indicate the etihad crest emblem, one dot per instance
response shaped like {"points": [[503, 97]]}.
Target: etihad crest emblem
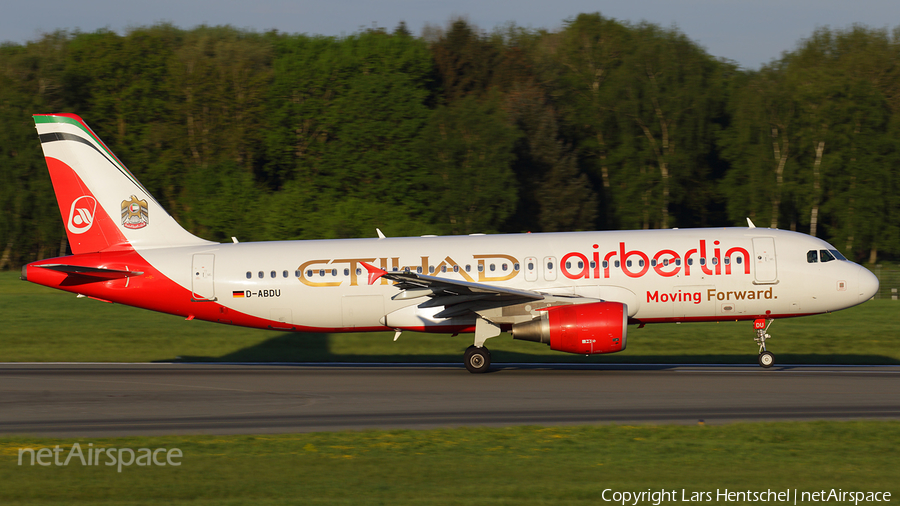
{"points": [[135, 213]]}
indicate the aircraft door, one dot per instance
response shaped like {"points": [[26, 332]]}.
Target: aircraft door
{"points": [[765, 268], [202, 287], [549, 268], [531, 269]]}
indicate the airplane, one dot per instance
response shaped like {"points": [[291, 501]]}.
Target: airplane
{"points": [[575, 291]]}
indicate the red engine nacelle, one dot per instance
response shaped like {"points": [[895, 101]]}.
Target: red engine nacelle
{"points": [[598, 327]]}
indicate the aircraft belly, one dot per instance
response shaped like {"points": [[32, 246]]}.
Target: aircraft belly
{"points": [[362, 310], [323, 311]]}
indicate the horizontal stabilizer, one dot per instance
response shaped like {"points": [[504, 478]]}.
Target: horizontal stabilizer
{"points": [[94, 272]]}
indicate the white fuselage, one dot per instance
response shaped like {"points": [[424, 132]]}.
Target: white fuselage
{"points": [[661, 275]]}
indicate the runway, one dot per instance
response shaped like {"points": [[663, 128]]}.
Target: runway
{"points": [[96, 400]]}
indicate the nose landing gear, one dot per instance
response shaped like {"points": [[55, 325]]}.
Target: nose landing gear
{"points": [[766, 358]]}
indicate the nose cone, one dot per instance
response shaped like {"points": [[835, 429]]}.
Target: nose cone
{"points": [[868, 284]]}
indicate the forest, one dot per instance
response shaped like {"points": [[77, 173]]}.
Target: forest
{"points": [[599, 125]]}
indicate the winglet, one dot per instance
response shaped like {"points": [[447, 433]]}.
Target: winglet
{"points": [[380, 233], [750, 223], [374, 272]]}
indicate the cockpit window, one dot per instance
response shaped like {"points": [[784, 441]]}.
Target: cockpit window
{"points": [[823, 255]]}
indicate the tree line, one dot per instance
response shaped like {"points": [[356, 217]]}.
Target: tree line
{"points": [[601, 124]]}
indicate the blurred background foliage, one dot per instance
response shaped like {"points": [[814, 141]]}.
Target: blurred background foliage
{"points": [[602, 124]]}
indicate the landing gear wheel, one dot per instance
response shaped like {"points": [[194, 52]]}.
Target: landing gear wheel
{"points": [[477, 359], [766, 359]]}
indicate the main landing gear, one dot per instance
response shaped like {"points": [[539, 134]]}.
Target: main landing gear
{"points": [[766, 358], [477, 359]]}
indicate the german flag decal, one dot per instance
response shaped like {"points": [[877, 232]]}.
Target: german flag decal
{"points": [[238, 294]]}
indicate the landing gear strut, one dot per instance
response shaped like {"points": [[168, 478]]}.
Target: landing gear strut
{"points": [[477, 359], [766, 358]]}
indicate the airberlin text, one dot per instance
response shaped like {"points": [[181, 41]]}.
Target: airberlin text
{"points": [[711, 295], [790, 496]]}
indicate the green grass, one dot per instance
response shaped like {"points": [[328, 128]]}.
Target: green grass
{"points": [[514, 465], [41, 324]]}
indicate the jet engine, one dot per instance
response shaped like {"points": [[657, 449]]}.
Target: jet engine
{"points": [[597, 327]]}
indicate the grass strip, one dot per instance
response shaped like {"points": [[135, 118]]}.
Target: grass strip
{"points": [[512, 465]]}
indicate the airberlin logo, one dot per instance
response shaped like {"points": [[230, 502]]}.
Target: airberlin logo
{"points": [[81, 214]]}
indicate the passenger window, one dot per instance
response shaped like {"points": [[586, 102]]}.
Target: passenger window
{"points": [[618, 263], [284, 274], [346, 272], [272, 274], [334, 272], [739, 260], [702, 261], [628, 263], [419, 269], [653, 263], [309, 273], [431, 269], [727, 261], [530, 266], [249, 275], [811, 256], [516, 267], [580, 264], [455, 268], [677, 261], [549, 266], [261, 274], [715, 261], [359, 271], [296, 274], [825, 256], [493, 267], [568, 265], [640, 263], [480, 267], [468, 268], [690, 261], [605, 264], [443, 268], [503, 267], [321, 272]]}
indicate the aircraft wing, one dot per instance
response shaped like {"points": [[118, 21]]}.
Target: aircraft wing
{"points": [[457, 297]]}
